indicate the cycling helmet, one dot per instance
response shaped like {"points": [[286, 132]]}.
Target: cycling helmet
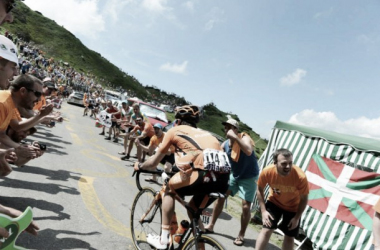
{"points": [[189, 113]]}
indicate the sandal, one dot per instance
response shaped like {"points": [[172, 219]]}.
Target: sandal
{"points": [[239, 241]]}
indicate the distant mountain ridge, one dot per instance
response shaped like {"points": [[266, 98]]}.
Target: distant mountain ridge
{"points": [[59, 43]]}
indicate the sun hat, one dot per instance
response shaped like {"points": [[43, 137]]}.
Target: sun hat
{"points": [[8, 49], [232, 122], [157, 125]]}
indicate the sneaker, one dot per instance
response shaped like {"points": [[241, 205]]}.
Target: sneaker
{"points": [[107, 138], [102, 133], [124, 158], [115, 140], [155, 241]]}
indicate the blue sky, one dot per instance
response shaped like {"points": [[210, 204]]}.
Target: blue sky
{"points": [[314, 63]]}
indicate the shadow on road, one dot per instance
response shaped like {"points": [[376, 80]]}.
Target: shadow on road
{"points": [[55, 175], [43, 187], [21, 204], [47, 239]]}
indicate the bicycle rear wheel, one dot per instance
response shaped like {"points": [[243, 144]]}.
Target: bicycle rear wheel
{"points": [[204, 242], [151, 223]]}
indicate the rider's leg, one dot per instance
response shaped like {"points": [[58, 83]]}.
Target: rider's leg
{"points": [[168, 203]]}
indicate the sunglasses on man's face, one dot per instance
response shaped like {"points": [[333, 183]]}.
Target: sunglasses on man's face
{"points": [[36, 93], [9, 5]]}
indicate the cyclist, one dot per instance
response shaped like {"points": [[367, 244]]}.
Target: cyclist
{"points": [[196, 176]]}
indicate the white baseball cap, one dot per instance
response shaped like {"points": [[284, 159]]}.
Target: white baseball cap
{"points": [[232, 122], [8, 49]]}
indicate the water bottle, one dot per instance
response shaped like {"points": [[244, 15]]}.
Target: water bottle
{"points": [[173, 224], [183, 226]]}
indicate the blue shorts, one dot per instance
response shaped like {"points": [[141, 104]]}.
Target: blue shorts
{"points": [[245, 187]]}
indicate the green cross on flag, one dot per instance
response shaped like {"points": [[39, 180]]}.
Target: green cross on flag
{"points": [[343, 192]]}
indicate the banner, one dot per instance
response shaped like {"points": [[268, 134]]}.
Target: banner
{"points": [[343, 192], [104, 118]]}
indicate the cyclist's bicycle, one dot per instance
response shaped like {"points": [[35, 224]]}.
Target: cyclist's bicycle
{"points": [[146, 219]]}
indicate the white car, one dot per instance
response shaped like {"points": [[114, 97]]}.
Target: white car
{"points": [[76, 98]]}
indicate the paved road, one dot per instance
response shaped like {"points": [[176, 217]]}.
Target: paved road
{"points": [[81, 192]]}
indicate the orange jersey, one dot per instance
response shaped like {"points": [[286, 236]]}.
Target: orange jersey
{"points": [[183, 138], [285, 191], [8, 110], [40, 103]]}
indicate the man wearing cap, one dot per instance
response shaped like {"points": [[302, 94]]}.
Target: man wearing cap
{"points": [[8, 62], [141, 133], [244, 173]]}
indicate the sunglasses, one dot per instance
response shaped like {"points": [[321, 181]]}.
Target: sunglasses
{"points": [[10, 4], [36, 93]]}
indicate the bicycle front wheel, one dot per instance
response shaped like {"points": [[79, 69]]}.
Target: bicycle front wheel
{"points": [[204, 242], [150, 224]]}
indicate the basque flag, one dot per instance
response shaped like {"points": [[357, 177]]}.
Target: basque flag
{"points": [[343, 192]]}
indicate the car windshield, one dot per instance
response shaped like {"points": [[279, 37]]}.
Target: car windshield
{"points": [[79, 95], [153, 112]]}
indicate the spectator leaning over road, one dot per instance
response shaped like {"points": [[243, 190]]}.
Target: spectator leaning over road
{"points": [[289, 189], [244, 173], [140, 134], [196, 177], [376, 226], [156, 139], [24, 92]]}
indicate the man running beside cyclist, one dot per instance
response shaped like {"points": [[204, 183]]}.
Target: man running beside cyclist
{"points": [[197, 177]]}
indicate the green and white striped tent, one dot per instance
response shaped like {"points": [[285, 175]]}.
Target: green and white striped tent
{"points": [[324, 231]]}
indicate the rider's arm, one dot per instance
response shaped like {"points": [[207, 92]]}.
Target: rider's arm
{"points": [[152, 162]]}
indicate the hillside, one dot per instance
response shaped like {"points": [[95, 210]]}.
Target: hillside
{"points": [[59, 43]]}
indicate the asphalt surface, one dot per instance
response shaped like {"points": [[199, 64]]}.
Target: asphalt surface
{"points": [[81, 192]]}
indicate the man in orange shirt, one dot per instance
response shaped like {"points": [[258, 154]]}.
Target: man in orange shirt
{"points": [[24, 92], [289, 190], [47, 89], [376, 226]]}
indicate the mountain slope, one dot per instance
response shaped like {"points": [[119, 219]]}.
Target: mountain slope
{"points": [[59, 43]]}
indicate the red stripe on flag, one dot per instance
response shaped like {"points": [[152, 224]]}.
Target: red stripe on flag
{"points": [[344, 214], [320, 204], [335, 167]]}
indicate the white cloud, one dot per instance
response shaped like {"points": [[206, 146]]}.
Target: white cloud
{"points": [[361, 126], [293, 78], [189, 5], [155, 5], [175, 68], [323, 14], [214, 16], [79, 17]]}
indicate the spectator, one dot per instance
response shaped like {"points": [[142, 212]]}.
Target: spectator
{"points": [[144, 131], [126, 114], [244, 173], [289, 189], [8, 62], [156, 139], [24, 92], [115, 115]]}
